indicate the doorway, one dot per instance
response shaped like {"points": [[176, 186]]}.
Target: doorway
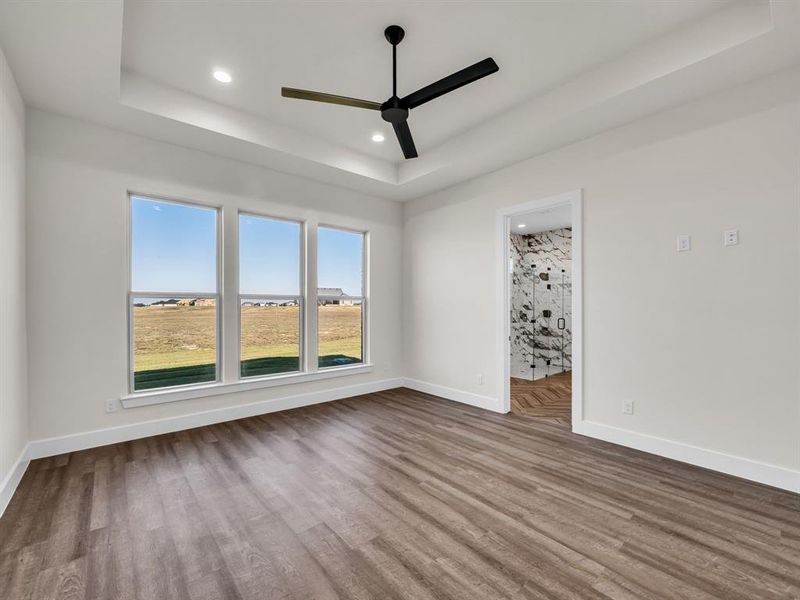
{"points": [[541, 259]]}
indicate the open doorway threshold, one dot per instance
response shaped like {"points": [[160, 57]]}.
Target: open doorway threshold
{"points": [[548, 397]]}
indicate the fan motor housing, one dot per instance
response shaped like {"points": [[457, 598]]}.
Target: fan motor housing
{"points": [[393, 110]]}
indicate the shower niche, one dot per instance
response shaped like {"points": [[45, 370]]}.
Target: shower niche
{"points": [[541, 304]]}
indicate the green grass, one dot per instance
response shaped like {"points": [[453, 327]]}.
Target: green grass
{"points": [[254, 367], [177, 346], [159, 378]]}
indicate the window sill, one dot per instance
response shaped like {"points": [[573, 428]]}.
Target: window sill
{"points": [[217, 389]]}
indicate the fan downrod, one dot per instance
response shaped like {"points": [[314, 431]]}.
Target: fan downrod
{"points": [[393, 111]]}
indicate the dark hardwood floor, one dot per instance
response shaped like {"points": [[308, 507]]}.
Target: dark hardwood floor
{"points": [[548, 397], [387, 496]]}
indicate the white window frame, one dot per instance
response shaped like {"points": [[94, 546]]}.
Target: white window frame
{"points": [[132, 294], [363, 298], [301, 298], [228, 359]]}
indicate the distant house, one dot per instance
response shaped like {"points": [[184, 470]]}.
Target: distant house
{"points": [[171, 303], [335, 292]]}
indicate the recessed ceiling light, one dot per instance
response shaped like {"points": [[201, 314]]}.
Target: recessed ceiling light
{"points": [[377, 137], [222, 76], [521, 225]]}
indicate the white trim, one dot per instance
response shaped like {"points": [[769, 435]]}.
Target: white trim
{"points": [[10, 483], [124, 433], [575, 200], [485, 402], [772, 475], [174, 394]]}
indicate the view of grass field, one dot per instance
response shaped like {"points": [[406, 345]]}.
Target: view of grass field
{"points": [[177, 345]]}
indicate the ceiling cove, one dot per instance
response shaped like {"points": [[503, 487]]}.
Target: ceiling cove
{"points": [[150, 69]]}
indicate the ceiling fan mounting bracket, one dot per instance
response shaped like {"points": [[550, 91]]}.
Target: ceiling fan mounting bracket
{"points": [[394, 34]]}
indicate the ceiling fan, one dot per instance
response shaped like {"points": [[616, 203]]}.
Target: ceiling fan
{"points": [[395, 110]]}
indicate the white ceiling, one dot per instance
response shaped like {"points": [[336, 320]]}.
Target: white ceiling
{"points": [[547, 219], [568, 70], [341, 49]]}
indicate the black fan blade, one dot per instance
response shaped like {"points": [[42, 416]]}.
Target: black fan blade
{"points": [[330, 98], [452, 82], [405, 139]]}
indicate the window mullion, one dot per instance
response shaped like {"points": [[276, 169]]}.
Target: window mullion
{"points": [[229, 288], [311, 312]]}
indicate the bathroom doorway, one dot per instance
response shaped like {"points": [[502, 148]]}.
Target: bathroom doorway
{"points": [[540, 271]]}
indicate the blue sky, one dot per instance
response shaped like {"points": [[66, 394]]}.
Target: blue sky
{"points": [[174, 250], [174, 247], [339, 263], [269, 256]]}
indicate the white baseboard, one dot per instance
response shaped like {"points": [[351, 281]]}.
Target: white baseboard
{"points": [[10, 483], [772, 475], [123, 433], [779, 477], [485, 402]]}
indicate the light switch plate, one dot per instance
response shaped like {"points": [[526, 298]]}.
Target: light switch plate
{"points": [[684, 243]]}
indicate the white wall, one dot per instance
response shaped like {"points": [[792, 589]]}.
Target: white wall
{"points": [[13, 376], [78, 179], [706, 342]]}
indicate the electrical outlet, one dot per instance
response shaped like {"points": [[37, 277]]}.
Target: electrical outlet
{"points": [[731, 237], [684, 243], [480, 378], [627, 407], [111, 406]]}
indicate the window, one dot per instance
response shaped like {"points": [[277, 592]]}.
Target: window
{"points": [[340, 297], [175, 304], [173, 297], [270, 299]]}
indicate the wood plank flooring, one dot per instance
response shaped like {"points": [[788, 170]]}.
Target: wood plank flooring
{"points": [[549, 397], [393, 495]]}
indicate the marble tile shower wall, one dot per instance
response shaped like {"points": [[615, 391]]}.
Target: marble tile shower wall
{"points": [[541, 295]]}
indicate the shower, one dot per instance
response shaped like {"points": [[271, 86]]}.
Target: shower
{"points": [[551, 300], [541, 300]]}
